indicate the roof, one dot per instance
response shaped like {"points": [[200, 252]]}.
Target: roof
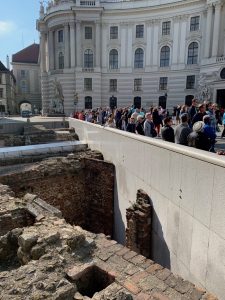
{"points": [[27, 55], [3, 68]]}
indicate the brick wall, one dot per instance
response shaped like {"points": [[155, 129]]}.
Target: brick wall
{"points": [[81, 186], [138, 232]]}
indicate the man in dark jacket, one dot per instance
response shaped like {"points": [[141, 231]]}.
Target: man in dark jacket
{"points": [[192, 110], [167, 131], [200, 114], [198, 139]]}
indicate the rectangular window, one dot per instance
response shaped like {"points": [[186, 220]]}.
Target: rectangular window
{"points": [[1, 93], [166, 28], [113, 32], [22, 73], [88, 84], [163, 83], [88, 33], [60, 36], [137, 84], [139, 31], [190, 82], [0, 78], [194, 25], [113, 85]]}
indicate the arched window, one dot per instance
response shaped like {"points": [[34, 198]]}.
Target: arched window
{"points": [[88, 58], [165, 56], [61, 60], [88, 102], [139, 58], [192, 53], [113, 59]]}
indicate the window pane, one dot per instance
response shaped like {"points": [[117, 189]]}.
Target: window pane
{"points": [[166, 28], [137, 84], [163, 83], [60, 36], [194, 23], [113, 85], [165, 56], [139, 31], [192, 54], [190, 83], [88, 33], [113, 32], [88, 84], [139, 58], [88, 58], [113, 59]]}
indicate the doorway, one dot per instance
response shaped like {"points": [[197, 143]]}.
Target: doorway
{"points": [[220, 98], [137, 102]]}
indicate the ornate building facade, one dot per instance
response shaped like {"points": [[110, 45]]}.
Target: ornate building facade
{"points": [[116, 53]]}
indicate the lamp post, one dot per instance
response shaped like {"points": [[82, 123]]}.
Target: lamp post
{"points": [[76, 98]]}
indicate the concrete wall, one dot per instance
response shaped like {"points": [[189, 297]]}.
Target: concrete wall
{"points": [[187, 190]]}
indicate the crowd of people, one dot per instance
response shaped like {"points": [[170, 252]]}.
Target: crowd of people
{"points": [[195, 126]]}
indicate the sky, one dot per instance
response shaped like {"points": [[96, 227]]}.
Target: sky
{"points": [[17, 26]]}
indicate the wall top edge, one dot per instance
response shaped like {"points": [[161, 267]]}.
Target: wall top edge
{"points": [[208, 157]]}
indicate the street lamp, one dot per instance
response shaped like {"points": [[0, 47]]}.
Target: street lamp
{"points": [[76, 98]]}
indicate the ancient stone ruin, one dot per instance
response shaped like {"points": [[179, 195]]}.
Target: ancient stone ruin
{"points": [[56, 230]]}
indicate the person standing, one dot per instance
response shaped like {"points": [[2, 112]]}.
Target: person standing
{"points": [[182, 131], [149, 127], [167, 130], [139, 125], [200, 114], [192, 110], [156, 120], [223, 122]]}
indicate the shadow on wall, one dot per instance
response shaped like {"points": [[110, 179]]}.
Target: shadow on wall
{"points": [[159, 250], [119, 226]]}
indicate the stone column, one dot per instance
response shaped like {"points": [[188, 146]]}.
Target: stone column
{"points": [[72, 45], [208, 30], [51, 56], [79, 57], [43, 52], [148, 43], [123, 50], [104, 45], [176, 45], [97, 44], [216, 29], [183, 33], [155, 42], [129, 49], [67, 47]]}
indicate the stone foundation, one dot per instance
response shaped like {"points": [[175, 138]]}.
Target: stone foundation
{"points": [[81, 185]]}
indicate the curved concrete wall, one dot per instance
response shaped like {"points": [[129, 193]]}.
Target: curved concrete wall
{"points": [[187, 190]]}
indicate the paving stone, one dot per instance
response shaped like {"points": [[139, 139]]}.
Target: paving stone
{"points": [[137, 260], [152, 269], [171, 280], [129, 255], [163, 274], [159, 296], [151, 282], [138, 276], [143, 296], [123, 251], [183, 286], [132, 287]]}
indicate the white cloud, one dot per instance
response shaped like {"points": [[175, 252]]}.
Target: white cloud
{"points": [[6, 27]]}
